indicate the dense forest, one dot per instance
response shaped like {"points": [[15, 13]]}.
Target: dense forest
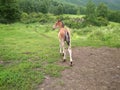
{"points": [[13, 10]]}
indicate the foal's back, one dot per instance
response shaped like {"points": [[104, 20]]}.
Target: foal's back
{"points": [[64, 34]]}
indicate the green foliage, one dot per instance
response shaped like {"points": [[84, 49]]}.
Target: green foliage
{"points": [[9, 11]]}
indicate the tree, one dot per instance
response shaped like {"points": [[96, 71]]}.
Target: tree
{"points": [[102, 10], [60, 9], [9, 11], [91, 11]]}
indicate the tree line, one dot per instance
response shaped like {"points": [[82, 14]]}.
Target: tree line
{"points": [[10, 10], [46, 6], [101, 14]]}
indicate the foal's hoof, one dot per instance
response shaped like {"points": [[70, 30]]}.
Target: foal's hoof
{"points": [[71, 64], [64, 60]]}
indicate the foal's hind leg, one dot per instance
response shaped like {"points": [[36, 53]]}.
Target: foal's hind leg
{"points": [[70, 54], [64, 51], [61, 48]]}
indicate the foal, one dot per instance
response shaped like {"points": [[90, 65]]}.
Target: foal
{"points": [[64, 36]]}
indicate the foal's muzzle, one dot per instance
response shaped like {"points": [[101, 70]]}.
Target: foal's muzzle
{"points": [[54, 27]]}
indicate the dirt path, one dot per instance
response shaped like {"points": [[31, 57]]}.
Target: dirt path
{"points": [[94, 69]]}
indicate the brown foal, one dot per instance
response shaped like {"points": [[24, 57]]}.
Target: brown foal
{"points": [[64, 36]]}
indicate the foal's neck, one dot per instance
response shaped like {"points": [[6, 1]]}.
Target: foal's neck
{"points": [[61, 28]]}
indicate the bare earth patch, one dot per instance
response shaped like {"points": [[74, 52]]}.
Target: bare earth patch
{"points": [[93, 69]]}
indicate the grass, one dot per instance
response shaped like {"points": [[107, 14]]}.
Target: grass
{"points": [[29, 52]]}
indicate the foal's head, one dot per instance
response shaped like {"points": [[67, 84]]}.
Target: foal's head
{"points": [[58, 24]]}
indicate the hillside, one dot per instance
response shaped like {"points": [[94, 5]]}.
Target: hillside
{"points": [[112, 4]]}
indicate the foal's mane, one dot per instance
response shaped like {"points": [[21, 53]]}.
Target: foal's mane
{"points": [[61, 22]]}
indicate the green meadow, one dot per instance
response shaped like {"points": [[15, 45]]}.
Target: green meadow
{"points": [[29, 52]]}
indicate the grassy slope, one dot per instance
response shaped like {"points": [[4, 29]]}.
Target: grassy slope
{"points": [[28, 52]]}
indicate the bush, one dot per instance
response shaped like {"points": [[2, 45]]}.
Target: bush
{"points": [[24, 17], [44, 19], [101, 21], [28, 18], [75, 22], [35, 17]]}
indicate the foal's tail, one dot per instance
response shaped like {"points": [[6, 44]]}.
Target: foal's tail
{"points": [[67, 38]]}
